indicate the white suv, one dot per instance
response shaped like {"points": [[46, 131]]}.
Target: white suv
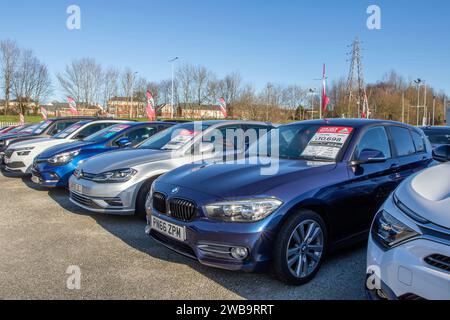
{"points": [[19, 156], [409, 245]]}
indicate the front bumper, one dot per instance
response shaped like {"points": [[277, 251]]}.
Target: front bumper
{"points": [[17, 163], [210, 243], [405, 274], [110, 198], [52, 176]]}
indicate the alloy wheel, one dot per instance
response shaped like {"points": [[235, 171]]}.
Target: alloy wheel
{"points": [[305, 249]]}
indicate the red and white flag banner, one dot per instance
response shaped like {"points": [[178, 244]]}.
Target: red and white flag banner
{"points": [[72, 105], [223, 107], [150, 110], [44, 113]]}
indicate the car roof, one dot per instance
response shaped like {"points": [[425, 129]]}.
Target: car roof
{"points": [[219, 122], [355, 123]]}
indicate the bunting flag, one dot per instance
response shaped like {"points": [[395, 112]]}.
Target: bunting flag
{"points": [[21, 119], [44, 113], [151, 113], [325, 99], [72, 106], [223, 107]]}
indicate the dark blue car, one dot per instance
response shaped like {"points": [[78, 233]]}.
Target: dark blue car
{"points": [[53, 167], [332, 177]]}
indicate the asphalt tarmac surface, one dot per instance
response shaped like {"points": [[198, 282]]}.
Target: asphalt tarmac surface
{"points": [[45, 240]]}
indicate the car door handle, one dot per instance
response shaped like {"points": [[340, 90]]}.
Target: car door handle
{"points": [[395, 166]]}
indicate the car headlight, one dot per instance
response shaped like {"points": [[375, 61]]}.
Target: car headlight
{"points": [[122, 175], [242, 211], [63, 158], [24, 151], [390, 232]]}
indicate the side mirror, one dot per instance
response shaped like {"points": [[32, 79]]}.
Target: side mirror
{"points": [[123, 142], [81, 137], [206, 147], [368, 156], [442, 153]]}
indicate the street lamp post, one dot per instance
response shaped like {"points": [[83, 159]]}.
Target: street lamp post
{"points": [[313, 92], [419, 82], [172, 96]]}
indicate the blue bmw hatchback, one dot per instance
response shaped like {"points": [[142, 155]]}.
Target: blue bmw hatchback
{"points": [[332, 177], [53, 167]]}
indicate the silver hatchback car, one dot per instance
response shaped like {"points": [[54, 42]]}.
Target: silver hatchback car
{"points": [[118, 182]]}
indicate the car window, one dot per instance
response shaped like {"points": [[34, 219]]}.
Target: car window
{"points": [[402, 141], [230, 142], [68, 131], [374, 139], [139, 134], [60, 126], [86, 132], [438, 136], [419, 143]]}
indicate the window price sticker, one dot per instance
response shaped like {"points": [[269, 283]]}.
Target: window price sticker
{"points": [[327, 142], [184, 136]]}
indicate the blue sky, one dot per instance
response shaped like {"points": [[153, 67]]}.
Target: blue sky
{"points": [[282, 41]]}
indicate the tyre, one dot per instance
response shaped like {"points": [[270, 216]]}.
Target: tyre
{"points": [[300, 248], [142, 197]]}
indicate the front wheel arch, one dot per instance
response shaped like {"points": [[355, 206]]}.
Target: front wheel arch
{"points": [[313, 205], [141, 195]]}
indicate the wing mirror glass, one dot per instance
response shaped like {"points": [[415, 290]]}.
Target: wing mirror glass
{"points": [[442, 153], [206, 147], [368, 156], [123, 142]]}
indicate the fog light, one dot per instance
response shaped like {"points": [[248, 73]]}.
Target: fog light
{"points": [[239, 253]]}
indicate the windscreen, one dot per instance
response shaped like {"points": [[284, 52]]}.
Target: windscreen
{"points": [[174, 138], [107, 133]]}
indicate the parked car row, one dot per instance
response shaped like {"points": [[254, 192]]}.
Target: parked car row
{"points": [[212, 198]]}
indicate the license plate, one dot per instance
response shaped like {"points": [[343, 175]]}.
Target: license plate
{"points": [[169, 229], [77, 188], [6, 160]]}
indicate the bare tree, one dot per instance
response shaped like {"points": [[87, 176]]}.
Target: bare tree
{"points": [[200, 77], [9, 57], [25, 79], [43, 87], [185, 81], [128, 80], [110, 84], [82, 80]]}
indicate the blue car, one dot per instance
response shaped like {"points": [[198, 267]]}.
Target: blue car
{"points": [[332, 177], [53, 167]]}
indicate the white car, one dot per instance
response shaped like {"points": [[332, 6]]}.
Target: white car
{"points": [[19, 157], [409, 245]]}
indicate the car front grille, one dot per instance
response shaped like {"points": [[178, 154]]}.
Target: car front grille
{"points": [[439, 261], [85, 201], [183, 210], [176, 208], [159, 202]]}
